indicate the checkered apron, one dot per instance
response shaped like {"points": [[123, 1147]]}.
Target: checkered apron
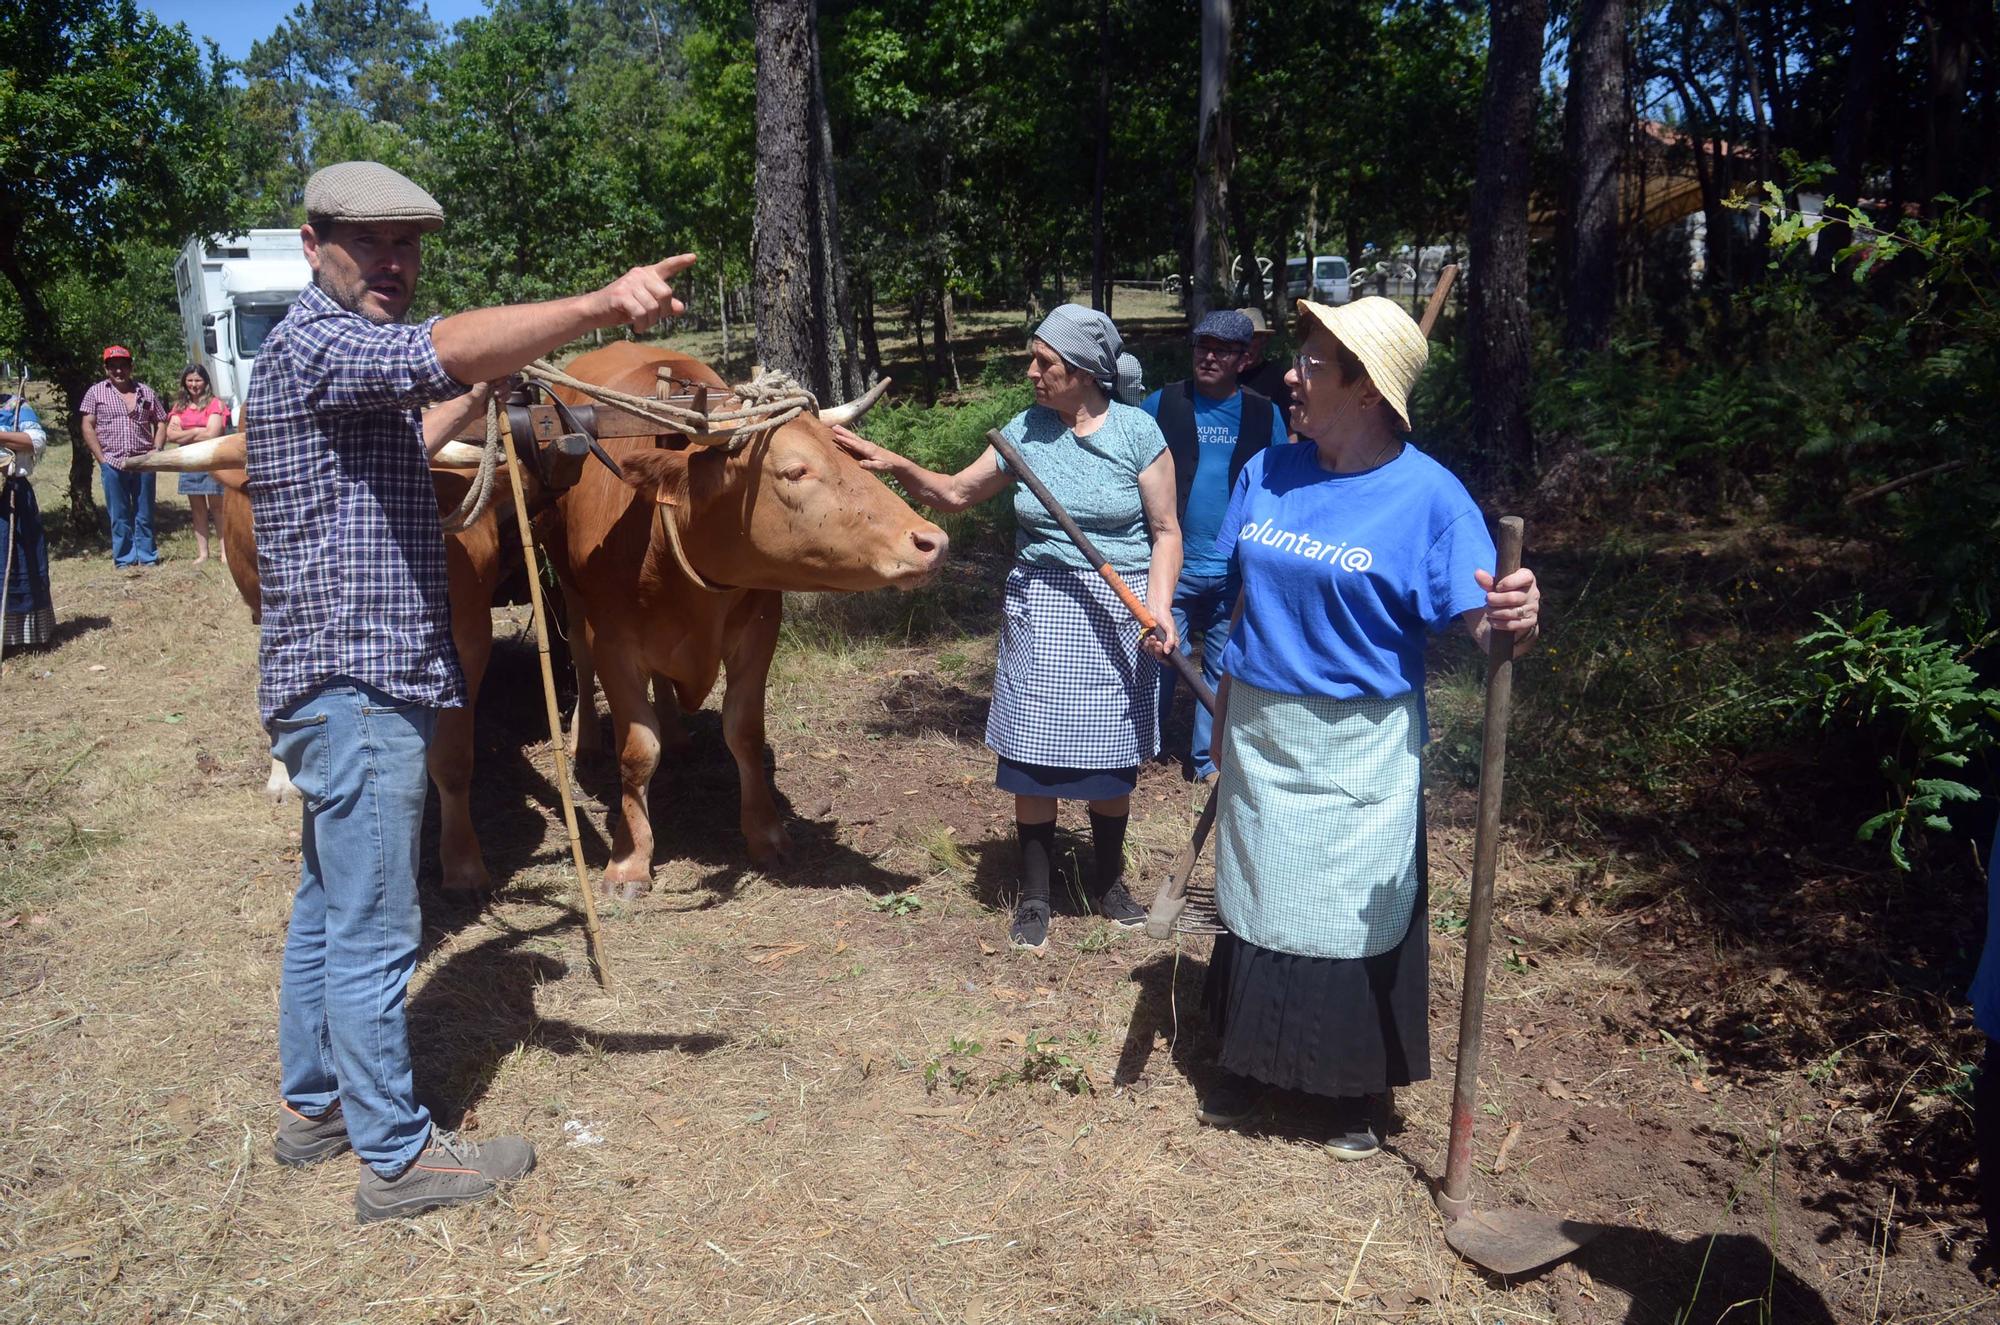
{"points": [[1316, 833], [1071, 688]]}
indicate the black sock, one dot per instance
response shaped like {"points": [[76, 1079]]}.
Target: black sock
{"points": [[1038, 843], [1107, 835]]}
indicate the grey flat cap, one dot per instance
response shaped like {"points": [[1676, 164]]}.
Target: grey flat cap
{"points": [[370, 191]]}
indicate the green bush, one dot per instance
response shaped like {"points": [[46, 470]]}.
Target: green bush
{"points": [[1919, 692]]}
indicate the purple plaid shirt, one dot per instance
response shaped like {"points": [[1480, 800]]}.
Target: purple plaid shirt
{"points": [[123, 433], [350, 553]]}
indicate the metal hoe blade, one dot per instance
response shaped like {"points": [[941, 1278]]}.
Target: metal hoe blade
{"points": [[1516, 1241]]}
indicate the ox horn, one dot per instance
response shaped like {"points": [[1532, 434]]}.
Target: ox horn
{"points": [[459, 455], [846, 416], [224, 452]]}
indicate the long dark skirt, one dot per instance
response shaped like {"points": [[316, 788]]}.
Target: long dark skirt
{"points": [[1324, 1025], [30, 616]]}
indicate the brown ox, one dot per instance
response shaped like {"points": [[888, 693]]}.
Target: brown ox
{"points": [[475, 565], [790, 511]]}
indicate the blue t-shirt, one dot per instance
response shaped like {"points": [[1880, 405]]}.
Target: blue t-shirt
{"points": [[1217, 425], [1345, 575], [1096, 478]]}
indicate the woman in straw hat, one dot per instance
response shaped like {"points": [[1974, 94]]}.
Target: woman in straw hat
{"points": [[1073, 711], [1353, 547]]}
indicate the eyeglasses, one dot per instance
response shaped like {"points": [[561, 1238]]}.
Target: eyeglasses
{"points": [[1308, 364], [1212, 350]]}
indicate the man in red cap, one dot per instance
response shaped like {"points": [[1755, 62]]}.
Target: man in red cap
{"points": [[122, 418]]}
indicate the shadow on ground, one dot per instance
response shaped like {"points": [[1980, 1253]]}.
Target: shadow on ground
{"points": [[478, 1007]]}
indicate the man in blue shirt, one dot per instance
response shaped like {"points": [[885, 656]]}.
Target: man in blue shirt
{"points": [[357, 658], [1213, 426]]}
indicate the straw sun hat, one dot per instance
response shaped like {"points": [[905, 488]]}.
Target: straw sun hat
{"points": [[1386, 339]]}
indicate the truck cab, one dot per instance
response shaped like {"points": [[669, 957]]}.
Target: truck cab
{"points": [[233, 290], [1323, 278]]}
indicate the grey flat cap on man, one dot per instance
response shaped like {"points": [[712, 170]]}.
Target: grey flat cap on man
{"points": [[370, 191]]}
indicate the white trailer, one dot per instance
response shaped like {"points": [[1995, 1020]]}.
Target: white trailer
{"points": [[233, 289]]}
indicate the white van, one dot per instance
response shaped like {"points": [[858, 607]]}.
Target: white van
{"points": [[1329, 282], [233, 289]]}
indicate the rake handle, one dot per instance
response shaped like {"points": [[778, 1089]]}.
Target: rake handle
{"points": [[1148, 623], [1455, 1200]]}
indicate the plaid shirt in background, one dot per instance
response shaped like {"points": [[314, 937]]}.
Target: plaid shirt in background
{"points": [[123, 433], [350, 552]]}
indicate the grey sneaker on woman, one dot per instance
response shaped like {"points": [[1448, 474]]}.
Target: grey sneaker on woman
{"points": [[1118, 907], [1030, 931], [303, 1139], [450, 1171]]}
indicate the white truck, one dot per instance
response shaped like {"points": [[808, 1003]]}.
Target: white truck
{"points": [[233, 289]]}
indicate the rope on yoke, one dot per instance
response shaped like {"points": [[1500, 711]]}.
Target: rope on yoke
{"points": [[770, 400], [479, 496]]}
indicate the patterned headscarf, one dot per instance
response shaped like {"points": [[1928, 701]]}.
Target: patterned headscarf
{"points": [[1086, 340]]}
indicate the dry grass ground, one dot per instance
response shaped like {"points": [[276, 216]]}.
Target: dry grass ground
{"points": [[828, 1093]]}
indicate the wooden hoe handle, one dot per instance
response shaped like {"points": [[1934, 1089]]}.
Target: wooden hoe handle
{"points": [[1456, 1198], [1148, 624]]}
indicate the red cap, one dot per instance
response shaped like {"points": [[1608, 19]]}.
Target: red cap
{"points": [[117, 352]]}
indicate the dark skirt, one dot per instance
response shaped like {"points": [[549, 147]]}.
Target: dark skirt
{"points": [[1066, 784], [28, 613], [1323, 1025]]}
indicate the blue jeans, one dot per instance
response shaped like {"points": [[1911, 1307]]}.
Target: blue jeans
{"points": [[1202, 604], [128, 495], [356, 756]]}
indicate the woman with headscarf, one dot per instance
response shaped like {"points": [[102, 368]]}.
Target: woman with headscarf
{"points": [[1353, 548], [1073, 714]]}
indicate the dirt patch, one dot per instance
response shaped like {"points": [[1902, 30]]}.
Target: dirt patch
{"points": [[830, 1091]]}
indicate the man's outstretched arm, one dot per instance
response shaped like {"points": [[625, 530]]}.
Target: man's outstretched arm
{"points": [[489, 343]]}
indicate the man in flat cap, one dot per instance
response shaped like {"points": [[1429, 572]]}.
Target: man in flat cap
{"points": [[357, 656], [1213, 426]]}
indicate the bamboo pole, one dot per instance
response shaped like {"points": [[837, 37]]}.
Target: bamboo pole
{"points": [[497, 420]]}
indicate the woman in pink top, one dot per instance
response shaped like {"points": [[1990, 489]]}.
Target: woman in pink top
{"points": [[197, 416]]}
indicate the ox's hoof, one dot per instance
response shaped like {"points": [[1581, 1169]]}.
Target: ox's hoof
{"points": [[623, 890], [279, 785], [465, 880], [626, 882], [769, 846]]}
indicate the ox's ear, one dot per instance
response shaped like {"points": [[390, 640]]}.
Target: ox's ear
{"points": [[648, 471]]}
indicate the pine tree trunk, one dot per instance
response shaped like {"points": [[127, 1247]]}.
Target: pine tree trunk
{"points": [[1100, 261], [1868, 59], [1499, 350], [1214, 157], [802, 325], [1593, 134]]}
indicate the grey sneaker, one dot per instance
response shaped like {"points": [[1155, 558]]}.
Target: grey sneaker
{"points": [[450, 1171], [1030, 931], [1118, 907], [1355, 1131], [303, 1140]]}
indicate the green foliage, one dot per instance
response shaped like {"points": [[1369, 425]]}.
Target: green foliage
{"points": [[1045, 1062], [1867, 672], [952, 1068], [897, 903], [113, 143]]}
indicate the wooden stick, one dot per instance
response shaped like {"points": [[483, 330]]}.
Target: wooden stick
{"points": [[556, 746], [1179, 661], [1439, 293], [1456, 1197]]}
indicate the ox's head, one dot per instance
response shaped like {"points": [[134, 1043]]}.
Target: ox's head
{"points": [[790, 510]]}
